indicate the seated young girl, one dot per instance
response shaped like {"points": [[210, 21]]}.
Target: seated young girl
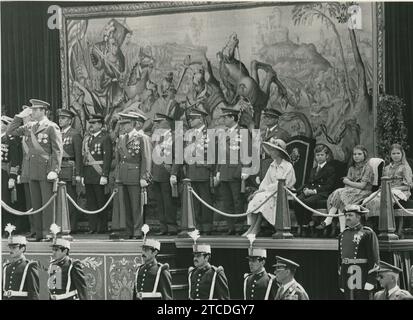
{"points": [[280, 168], [320, 185], [401, 174], [358, 185]]}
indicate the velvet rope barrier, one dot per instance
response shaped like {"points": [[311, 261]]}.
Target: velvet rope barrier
{"points": [[410, 212], [311, 209], [95, 211], [229, 215], [29, 212]]}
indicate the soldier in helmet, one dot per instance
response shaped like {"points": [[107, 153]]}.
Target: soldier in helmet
{"points": [[66, 280], [206, 282], [388, 276], [20, 275], [289, 288], [152, 279], [258, 285], [45, 159], [359, 255], [72, 160]]}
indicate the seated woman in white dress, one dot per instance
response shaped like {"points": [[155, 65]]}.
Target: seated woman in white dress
{"points": [[280, 168]]}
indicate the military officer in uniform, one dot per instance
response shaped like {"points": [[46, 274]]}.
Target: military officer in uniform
{"points": [[133, 157], [270, 129], [388, 276], [66, 280], [206, 282], [72, 160], [229, 174], [24, 171], [161, 174], [358, 256], [97, 158], [289, 288], [20, 275], [199, 173], [258, 285], [153, 279], [10, 165], [45, 154]]}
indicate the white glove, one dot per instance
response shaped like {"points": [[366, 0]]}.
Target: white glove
{"points": [[82, 181], [12, 183], [18, 179], [103, 181], [368, 286], [244, 176], [78, 179], [173, 180], [25, 113], [143, 183], [257, 180], [218, 175], [51, 175]]}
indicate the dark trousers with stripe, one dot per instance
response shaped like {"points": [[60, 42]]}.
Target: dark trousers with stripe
{"points": [[40, 192], [96, 199]]}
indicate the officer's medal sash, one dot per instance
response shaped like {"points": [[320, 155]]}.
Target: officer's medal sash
{"points": [[90, 160]]}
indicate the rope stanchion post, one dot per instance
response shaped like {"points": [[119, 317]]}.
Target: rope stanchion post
{"points": [[282, 217], [188, 216], [62, 209], [387, 225]]}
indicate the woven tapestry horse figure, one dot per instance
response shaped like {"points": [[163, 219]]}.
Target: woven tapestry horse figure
{"points": [[239, 84]]}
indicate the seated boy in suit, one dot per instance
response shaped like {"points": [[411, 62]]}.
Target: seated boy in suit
{"points": [[320, 185]]}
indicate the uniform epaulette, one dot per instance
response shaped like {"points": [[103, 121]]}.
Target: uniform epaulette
{"points": [[246, 275], [77, 262], [271, 276], [218, 269], [367, 228], [164, 266], [190, 269]]}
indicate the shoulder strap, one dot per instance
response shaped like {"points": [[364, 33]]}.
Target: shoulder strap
{"points": [[246, 275], [4, 275], [214, 277], [158, 276], [69, 278], [267, 293], [24, 275], [190, 270]]}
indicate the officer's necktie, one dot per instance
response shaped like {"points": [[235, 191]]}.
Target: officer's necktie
{"points": [[386, 294]]}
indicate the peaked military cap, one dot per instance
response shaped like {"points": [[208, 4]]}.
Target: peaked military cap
{"points": [[272, 113], [286, 263], [161, 117], [96, 118], [36, 103], [194, 112], [229, 112], [387, 267], [65, 113]]}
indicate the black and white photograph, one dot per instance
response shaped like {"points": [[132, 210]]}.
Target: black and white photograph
{"points": [[206, 150]]}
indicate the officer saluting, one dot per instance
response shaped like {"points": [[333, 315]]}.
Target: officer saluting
{"points": [[359, 255], [152, 279], [206, 282], [97, 158], [45, 158], [20, 276], [66, 278], [133, 169], [289, 288], [72, 159], [388, 276], [258, 285]]}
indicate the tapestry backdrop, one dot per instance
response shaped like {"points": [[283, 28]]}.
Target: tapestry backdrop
{"points": [[301, 59]]}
